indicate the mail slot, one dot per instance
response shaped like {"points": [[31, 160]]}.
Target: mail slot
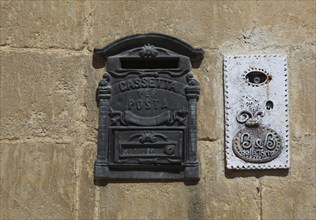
{"points": [[135, 147], [147, 109]]}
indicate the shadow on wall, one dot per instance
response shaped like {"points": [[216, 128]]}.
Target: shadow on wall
{"points": [[102, 182], [231, 174]]}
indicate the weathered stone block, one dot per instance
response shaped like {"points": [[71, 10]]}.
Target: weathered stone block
{"points": [[43, 24], [204, 24], [210, 105], [88, 194], [220, 195], [292, 196], [152, 16], [302, 81], [37, 180], [44, 94]]}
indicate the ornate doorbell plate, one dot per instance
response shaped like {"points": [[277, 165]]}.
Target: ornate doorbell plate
{"points": [[256, 112]]}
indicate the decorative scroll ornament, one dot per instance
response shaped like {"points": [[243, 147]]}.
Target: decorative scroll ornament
{"points": [[148, 73], [250, 119], [191, 81], [105, 80], [166, 118]]}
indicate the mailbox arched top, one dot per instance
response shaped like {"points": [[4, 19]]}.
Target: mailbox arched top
{"points": [[127, 43]]}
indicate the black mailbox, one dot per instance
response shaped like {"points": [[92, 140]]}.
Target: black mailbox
{"points": [[147, 109]]}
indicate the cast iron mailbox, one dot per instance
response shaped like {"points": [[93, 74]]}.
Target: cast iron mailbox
{"points": [[147, 109]]}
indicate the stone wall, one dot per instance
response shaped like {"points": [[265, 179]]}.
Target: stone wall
{"points": [[49, 115]]}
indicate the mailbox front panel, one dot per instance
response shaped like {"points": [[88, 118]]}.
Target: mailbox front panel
{"points": [[147, 101]]}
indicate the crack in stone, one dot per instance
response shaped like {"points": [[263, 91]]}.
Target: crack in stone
{"points": [[208, 139], [260, 199], [50, 48]]}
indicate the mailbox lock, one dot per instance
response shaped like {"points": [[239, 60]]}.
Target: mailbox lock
{"points": [[169, 149]]}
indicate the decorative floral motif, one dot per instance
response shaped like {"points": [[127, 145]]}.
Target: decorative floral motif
{"points": [[147, 137], [148, 51], [249, 116], [180, 116], [116, 118]]}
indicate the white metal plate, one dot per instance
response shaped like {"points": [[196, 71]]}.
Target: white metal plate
{"points": [[256, 93]]}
